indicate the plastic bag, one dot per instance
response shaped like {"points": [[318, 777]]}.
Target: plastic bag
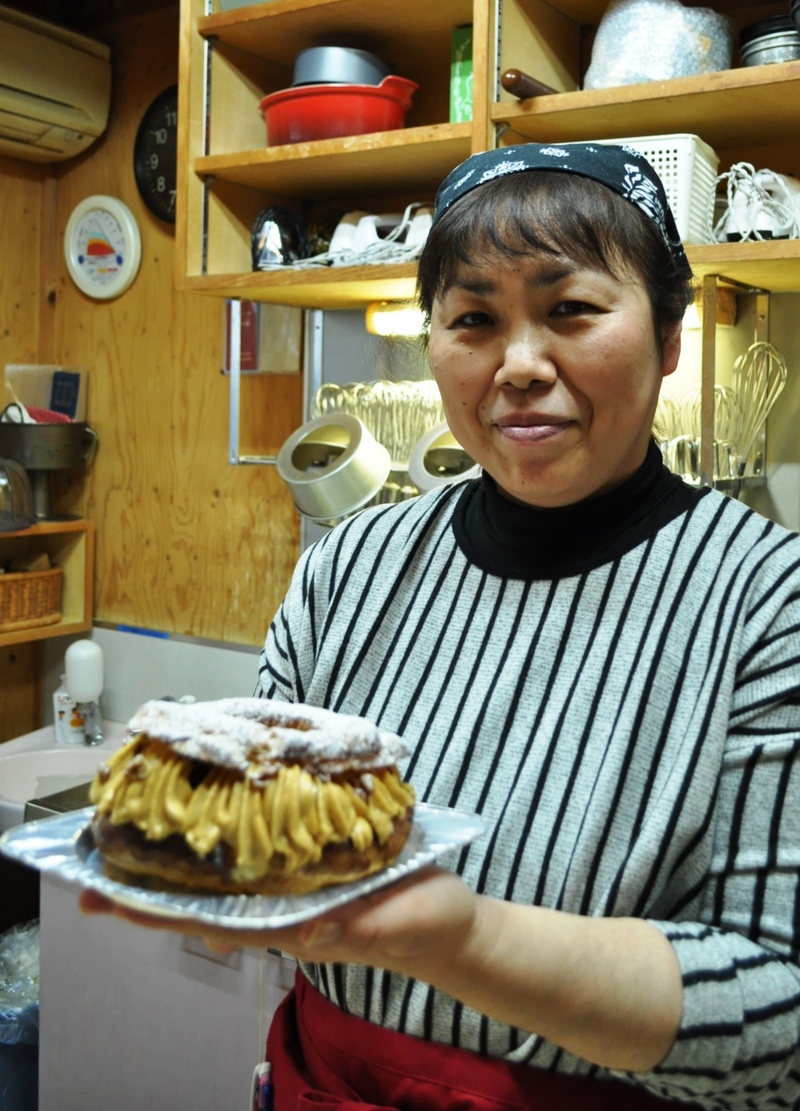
{"points": [[19, 985], [654, 40]]}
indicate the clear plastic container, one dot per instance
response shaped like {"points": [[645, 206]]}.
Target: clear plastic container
{"points": [[19, 1018]]}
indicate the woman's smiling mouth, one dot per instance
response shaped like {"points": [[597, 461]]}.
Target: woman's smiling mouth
{"points": [[531, 430]]}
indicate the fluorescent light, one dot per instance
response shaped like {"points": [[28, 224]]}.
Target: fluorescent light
{"points": [[691, 318], [394, 318]]}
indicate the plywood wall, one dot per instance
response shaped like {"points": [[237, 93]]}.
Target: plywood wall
{"points": [[21, 191], [186, 543], [22, 188]]}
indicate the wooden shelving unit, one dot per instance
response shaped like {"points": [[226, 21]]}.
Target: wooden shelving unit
{"points": [[227, 173], [230, 60], [70, 545]]}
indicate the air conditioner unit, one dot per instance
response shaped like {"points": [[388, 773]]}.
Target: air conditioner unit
{"points": [[55, 89]]}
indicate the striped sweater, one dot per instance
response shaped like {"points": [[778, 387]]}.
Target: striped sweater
{"points": [[627, 723]]}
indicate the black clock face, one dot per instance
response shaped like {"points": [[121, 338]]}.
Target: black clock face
{"points": [[155, 155]]}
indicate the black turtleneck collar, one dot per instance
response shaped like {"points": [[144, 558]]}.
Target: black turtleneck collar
{"points": [[527, 542]]}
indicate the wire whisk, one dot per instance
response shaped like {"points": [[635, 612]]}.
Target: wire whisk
{"points": [[758, 377]]}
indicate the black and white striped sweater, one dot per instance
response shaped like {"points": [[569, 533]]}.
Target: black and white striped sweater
{"points": [[616, 689]]}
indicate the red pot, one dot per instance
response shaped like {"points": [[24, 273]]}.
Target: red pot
{"points": [[309, 112]]}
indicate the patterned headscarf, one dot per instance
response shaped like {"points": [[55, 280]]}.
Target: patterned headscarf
{"points": [[621, 168]]}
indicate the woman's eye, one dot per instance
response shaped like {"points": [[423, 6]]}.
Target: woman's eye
{"points": [[472, 320], [573, 308]]}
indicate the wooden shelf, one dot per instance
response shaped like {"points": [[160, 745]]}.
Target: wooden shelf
{"points": [[338, 287], [419, 157], [770, 265], [70, 545], [757, 106], [773, 265], [277, 31]]}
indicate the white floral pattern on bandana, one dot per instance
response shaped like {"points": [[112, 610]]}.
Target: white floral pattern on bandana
{"points": [[641, 191], [456, 185], [500, 169]]}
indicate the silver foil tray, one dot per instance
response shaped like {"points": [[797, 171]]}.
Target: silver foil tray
{"points": [[63, 846]]}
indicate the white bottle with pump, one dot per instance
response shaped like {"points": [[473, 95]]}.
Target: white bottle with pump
{"points": [[83, 678]]}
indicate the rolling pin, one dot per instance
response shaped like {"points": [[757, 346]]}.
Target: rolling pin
{"points": [[519, 84]]}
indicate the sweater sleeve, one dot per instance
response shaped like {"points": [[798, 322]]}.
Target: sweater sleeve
{"points": [[282, 668], [739, 1040]]}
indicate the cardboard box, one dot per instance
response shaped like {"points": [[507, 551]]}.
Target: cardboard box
{"points": [[461, 75]]}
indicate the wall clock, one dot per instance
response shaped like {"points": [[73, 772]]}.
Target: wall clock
{"points": [[102, 247], [155, 155]]}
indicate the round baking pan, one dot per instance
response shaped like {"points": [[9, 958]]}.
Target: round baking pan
{"points": [[342, 65], [768, 41]]}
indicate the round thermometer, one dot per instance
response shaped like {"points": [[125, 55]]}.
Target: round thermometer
{"points": [[103, 247]]}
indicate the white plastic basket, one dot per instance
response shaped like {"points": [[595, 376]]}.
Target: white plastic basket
{"points": [[688, 168]]}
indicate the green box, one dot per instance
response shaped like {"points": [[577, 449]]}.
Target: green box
{"points": [[461, 75]]}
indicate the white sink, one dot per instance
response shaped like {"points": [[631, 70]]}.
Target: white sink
{"points": [[39, 772]]}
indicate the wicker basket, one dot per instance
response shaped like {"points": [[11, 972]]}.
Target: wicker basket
{"points": [[30, 598]]}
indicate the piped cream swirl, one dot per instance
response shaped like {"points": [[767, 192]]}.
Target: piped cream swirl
{"points": [[278, 822]]}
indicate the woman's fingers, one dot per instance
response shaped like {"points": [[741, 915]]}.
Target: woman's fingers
{"points": [[219, 940], [92, 902], [422, 917]]}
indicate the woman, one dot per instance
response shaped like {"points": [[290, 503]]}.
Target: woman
{"points": [[599, 660]]}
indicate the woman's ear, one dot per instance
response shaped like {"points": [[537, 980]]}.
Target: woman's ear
{"points": [[671, 348]]}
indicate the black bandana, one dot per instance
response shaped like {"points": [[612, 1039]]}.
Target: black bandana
{"points": [[622, 169]]}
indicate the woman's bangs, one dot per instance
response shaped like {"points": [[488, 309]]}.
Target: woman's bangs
{"points": [[541, 220]]}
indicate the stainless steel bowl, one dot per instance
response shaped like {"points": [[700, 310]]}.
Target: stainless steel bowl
{"points": [[340, 65], [333, 466], [47, 447], [42, 448]]}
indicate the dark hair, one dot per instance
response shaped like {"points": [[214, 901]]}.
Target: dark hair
{"points": [[560, 214]]}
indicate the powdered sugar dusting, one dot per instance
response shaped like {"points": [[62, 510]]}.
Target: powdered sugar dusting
{"points": [[258, 736]]}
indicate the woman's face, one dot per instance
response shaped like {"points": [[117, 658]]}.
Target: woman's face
{"points": [[549, 374]]}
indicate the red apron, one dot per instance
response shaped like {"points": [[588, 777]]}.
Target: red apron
{"points": [[326, 1060]]}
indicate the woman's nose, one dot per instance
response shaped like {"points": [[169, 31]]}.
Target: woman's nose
{"points": [[527, 360]]}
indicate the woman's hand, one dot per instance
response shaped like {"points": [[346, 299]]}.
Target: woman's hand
{"points": [[413, 922], [606, 989]]}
